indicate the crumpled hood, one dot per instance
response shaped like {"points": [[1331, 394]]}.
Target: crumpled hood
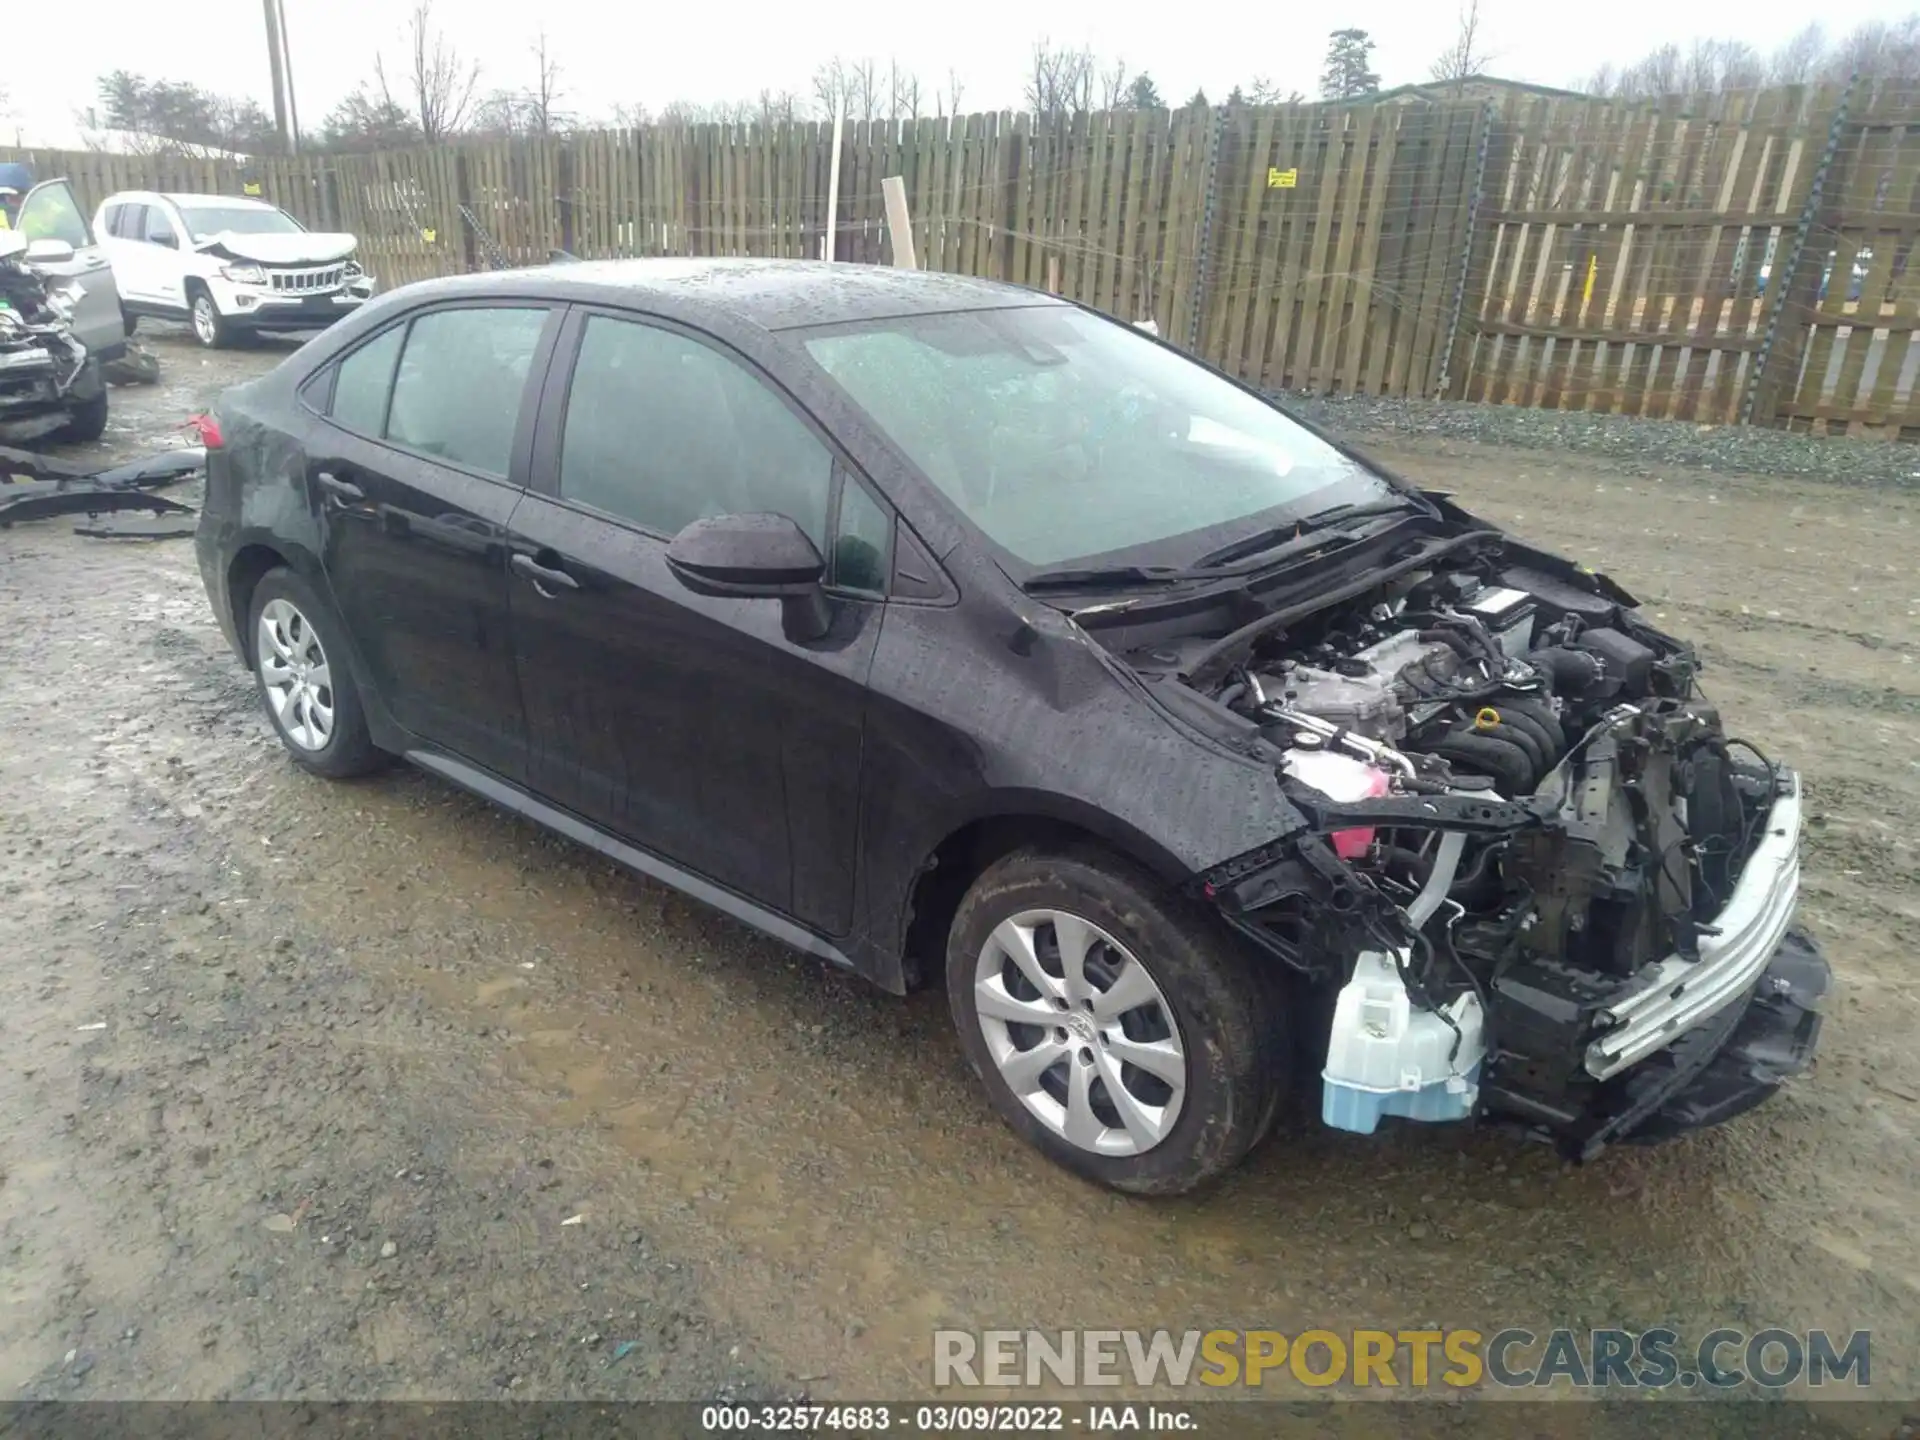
{"points": [[305, 248]]}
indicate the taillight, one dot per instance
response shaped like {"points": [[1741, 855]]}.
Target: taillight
{"points": [[208, 429]]}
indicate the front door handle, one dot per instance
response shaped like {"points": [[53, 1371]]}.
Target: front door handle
{"points": [[543, 575], [343, 490]]}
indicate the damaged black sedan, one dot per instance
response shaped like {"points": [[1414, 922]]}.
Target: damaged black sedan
{"points": [[960, 636]]}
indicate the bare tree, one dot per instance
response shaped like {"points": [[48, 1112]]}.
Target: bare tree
{"points": [[1467, 56], [779, 107], [949, 102], [440, 83], [903, 93], [1060, 81], [1797, 61], [1879, 51], [1113, 86], [1722, 65], [632, 116], [534, 111], [847, 87], [1264, 92], [544, 98]]}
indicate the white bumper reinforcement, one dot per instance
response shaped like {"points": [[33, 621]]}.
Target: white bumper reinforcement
{"points": [[1743, 936]]}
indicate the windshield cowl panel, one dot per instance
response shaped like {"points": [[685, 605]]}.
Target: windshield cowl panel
{"points": [[1070, 441]]}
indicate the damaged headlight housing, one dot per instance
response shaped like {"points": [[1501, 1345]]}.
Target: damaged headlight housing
{"points": [[245, 272], [351, 270]]}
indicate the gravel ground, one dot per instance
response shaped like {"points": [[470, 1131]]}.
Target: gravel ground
{"points": [[255, 1028], [1628, 440]]}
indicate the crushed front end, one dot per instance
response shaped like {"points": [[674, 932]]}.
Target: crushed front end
{"points": [[44, 372], [1536, 877]]}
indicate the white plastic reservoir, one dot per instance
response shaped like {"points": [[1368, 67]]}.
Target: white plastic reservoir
{"points": [[1387, 1057]]}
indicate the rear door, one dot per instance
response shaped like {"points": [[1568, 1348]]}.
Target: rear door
{"points": [[686, 724], [163, 270], [50, 212], [418, 464]]}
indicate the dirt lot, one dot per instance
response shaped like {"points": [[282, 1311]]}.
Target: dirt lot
{"points": [[303, 1086]]}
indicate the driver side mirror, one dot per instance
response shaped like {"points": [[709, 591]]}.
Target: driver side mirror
{"points": [[49, 252], [756, 557]]}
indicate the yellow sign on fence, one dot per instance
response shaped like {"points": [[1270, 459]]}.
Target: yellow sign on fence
{"points": [[1282, 179]]}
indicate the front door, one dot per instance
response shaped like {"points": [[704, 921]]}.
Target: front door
{"points": [[51, 213], [690, 726], [415, 472]]}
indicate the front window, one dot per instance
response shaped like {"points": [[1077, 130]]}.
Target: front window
{"points": [[207, 221], [1064, 436]]}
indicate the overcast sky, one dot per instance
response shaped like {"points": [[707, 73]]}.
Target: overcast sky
{"points": [[654, 53]]}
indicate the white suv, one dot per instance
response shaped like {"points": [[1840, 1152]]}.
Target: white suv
{"points": [[230, 266]]}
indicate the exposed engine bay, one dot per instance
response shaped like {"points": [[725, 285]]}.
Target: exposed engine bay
{"points": [[43, 364], [1538, 879]]}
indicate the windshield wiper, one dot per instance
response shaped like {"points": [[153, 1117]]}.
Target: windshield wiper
{"points": [[1305, 525], [1101, 577], [1269, 546]]}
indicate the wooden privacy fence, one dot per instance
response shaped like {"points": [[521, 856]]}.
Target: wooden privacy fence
{"points": [[1716, 258]]}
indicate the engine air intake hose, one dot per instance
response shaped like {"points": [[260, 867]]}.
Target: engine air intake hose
{"points": [[1486, 754], [1574, 672]]}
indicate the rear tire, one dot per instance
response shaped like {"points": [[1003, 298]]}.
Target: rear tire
{"points": [[305, 680], [1158, 1065]]}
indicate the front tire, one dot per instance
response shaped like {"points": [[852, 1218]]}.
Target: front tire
{"points": [[87, 422], [1115, 1027], [306, 684], [210, 327]]}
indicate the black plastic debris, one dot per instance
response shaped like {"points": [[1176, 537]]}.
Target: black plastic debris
{"points": [[38, 487], [135, 527]]}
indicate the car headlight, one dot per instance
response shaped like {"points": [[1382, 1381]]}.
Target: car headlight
{"points": [[351, 270], [245, 273]]}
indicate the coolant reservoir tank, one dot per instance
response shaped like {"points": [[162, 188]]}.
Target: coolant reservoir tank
{"points": [[1343, 778]]}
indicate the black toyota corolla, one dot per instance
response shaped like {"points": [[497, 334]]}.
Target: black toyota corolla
{"points": [[958, 635]]}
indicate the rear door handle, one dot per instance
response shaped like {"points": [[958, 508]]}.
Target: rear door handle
{"points": [[542, 575], [339, 489]]}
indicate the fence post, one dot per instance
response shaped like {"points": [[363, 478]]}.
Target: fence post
{"points": [[1794, 291], [1203, 268], [563, 182], [1467, 243], [463, 213]]}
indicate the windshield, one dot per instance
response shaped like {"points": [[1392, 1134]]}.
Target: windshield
{"points": [[205, 222], [1063, 436]]}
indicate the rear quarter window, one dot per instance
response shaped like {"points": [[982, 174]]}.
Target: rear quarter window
{"points": [[362, 383]]}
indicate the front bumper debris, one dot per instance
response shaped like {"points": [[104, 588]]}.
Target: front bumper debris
{"points": [[1684, 992], [1773, 1041]]}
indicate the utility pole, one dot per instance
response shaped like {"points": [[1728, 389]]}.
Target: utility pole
{"points": [[286, 68], [283, 113]]}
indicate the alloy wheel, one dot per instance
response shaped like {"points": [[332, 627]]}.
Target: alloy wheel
{"points": [[1081, 1032], [206, 324], [295, 675]]}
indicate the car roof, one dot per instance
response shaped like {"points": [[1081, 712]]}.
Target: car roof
{"points": [[183, 201], [772, 294], [224, 202]]}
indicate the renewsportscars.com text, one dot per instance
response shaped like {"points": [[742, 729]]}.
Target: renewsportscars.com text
{"points": [[1611, 1359]]}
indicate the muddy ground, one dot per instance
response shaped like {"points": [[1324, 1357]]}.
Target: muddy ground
{"points": [[368, 1090]]}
